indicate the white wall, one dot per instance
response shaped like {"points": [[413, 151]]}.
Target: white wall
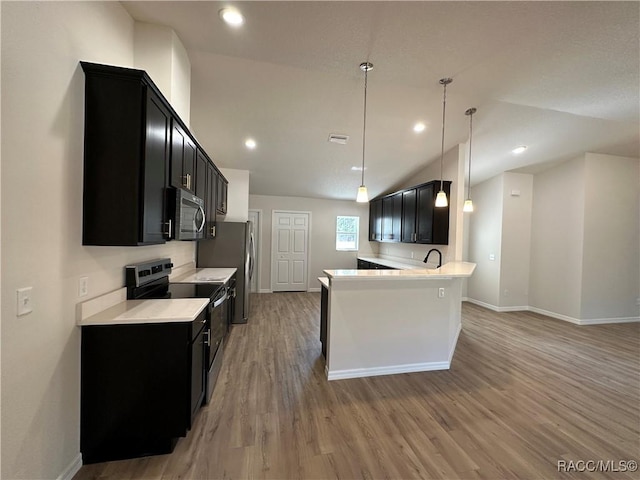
{"points": [[159, 51], [515, 254], [237, 195], [485, 239], [42, 158], [557, 232], [322, 238], [454, 165], [611, 250]]}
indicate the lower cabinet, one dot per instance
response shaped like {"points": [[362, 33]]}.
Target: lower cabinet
{"points": [[324, 306], [364, 265], [141, 387]]}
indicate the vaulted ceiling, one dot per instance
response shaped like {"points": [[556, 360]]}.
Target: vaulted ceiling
{"points": [[560, 77]]}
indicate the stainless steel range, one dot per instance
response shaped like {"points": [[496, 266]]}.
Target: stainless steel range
{"points": [[149, 280]]}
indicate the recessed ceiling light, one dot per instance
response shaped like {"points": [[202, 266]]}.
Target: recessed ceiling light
{"points": [[250, 143], [231, 17], [519, 149], [419, 127]]}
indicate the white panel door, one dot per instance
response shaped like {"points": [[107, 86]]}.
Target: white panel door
{"points": [[289, 251]]}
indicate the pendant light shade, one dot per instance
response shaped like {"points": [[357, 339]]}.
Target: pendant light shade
{"points": [[441, 198], [363, 196], [468, 204]]}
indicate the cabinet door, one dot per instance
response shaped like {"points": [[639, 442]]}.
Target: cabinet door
{"points": [[211, 200], [424, 217], [375, 220], [197, 374], [408, 229], [158, 128], [221, 202], [183, 159], [201, 177], [391, 217]]}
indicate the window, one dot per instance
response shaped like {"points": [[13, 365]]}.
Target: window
{"points": [[347, 229]]}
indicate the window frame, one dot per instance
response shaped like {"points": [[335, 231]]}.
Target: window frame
{"points": [[357, 234]]}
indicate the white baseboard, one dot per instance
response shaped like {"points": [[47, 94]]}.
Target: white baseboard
{"points": [[495, 308], [265, 290], [73, 468], [584, 321], [392, 370], [314, 289], [559, 316]]}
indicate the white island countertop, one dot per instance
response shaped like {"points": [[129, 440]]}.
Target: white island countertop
{"points": [[448, 270], [206, 275], [148, 311]]}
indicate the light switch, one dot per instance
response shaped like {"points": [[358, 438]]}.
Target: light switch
{"points": [[25, 301], [492, 256], [83, 286]]}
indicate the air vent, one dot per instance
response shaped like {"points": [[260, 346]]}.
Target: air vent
{"points": [[337, 138]]}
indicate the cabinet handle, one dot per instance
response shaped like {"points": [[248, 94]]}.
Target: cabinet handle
{"points": [[187, 181], [415, 237], [207, 340], [213, 231], [168, 232]]}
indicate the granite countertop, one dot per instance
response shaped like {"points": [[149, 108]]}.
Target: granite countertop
{"points": [[205, 275], [148, 311]]}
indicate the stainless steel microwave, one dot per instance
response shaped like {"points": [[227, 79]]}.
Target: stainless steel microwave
{"points": [[189, 216]]}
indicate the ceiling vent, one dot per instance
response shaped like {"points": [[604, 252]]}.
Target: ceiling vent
{"points": [[337, 138]]}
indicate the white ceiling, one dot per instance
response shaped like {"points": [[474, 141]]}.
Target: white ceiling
{"points": [[560, 77]]}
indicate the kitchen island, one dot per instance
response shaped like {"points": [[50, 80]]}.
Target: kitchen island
{"points": [[381, 322]]}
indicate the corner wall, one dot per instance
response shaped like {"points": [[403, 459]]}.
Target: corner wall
{"points": [[41, 224], [322, 233], [611, 249], [454, 168]]}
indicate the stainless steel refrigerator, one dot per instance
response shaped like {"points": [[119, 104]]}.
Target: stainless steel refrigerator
{"points": [[232, 247]]}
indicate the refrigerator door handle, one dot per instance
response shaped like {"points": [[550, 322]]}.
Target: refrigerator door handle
{"points": [[252, 256]]}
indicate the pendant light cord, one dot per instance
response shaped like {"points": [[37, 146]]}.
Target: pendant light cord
{"points": [[364, 128], [470, 137], [444, 105]]}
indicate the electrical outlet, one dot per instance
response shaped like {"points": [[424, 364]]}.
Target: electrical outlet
{"points": [[441, 292], [506, 292], [412, 255], [25, 300], [83, 286], [638, 301]]}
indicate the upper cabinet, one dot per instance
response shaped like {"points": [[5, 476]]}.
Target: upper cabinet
{"points": [[137, 150], [375, 220], [127, 150], [410, 216], [183, 159], [221, 203]]}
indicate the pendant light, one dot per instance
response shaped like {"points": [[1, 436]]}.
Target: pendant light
{"points": [[441, 198], [468, 204], [363, 196]]}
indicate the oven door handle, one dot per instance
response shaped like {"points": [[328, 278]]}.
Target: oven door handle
{"points": [[220, 300]]}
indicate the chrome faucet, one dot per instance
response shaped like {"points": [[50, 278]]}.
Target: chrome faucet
{"points": [[439, 255]]}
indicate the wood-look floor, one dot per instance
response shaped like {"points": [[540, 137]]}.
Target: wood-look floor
{"points": [[524, 392]]}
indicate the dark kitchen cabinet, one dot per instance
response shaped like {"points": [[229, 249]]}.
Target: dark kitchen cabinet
{"points": [[419, 220], [206, 189], [126, 153], [221, 203], [141, 387], [432, 224], [324, 309], [212, 200], [391, 217], [375, 220], [409, 206], [183, 159]]}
